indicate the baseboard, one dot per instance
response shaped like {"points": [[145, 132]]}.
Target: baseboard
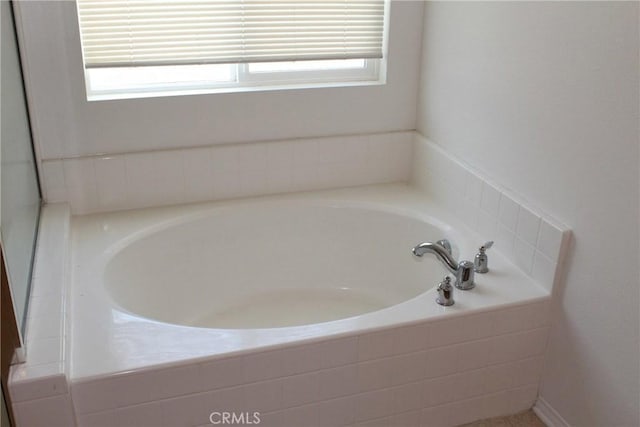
{"points": [[548, 415]]}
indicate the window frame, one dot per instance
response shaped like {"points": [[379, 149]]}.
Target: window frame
{"points": [[371, 73]]}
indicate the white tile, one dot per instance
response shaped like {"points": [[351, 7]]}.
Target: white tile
{"points": [[528, 371], [376, 345], [300, 389], [186, 411], [401, 166], [523, 398], [252, 162], [510, 320], [148, 414], [131, 389], [438, 391], [227, 399], [505, 240], [411, 338], [549, 240], [543, 270], [337, 412], [46, 386], [302, 416], [264, 396], [490, 200], [94, 396], [54, 186], [181, 380], [378, 422], [227, 372], [469, 214], [502, 349], [374, 404], [500, 377], [531, 343], [111, 178], [272, 419], [479, 326], [523, 252], [496, 404], [528, 226], [338, 352], [300, 359], [336, 149], [197, 174], [487, 226], [154, 179], [472, 355], [407, 419], [380, 149], [24, 373], [436, 417], [225, 172], [469, 384], [80, 180], [408, 397], [375, 374], [537, 315], [508, 213], [408, 367], [336, 382], [455, 330], [440, 362], [466, 411], [99, 419], [280, 166], [263, 366], [473, 190], [52, 411]]}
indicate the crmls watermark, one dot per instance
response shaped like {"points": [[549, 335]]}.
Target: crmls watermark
{"points": [[237, 418]]}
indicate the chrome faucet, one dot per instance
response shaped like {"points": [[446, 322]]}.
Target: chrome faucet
{"points": [[463, 270]]}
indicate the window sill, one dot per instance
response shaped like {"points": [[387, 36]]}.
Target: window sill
{"points": [[168, 92]]}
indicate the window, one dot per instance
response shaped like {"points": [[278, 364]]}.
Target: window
{"points": [[135, 48]]}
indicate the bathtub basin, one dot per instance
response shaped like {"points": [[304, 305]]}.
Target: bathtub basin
{"points": [[277, 264]]}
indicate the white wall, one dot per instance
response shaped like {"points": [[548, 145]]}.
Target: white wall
{"points": [[66, 125], [543, 97]]}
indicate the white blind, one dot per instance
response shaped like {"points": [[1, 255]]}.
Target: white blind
{"points": [[161, 32]]}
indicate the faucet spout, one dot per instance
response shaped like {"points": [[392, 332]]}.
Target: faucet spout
{"points": [[463, 270], [440, 252]]}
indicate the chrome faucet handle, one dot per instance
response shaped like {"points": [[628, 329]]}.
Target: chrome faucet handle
{"points": [[445, 244], [445, 292], [481, 261]]}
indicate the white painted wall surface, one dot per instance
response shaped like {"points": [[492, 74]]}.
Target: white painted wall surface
{"points": [[66, 125], [543, 97]]}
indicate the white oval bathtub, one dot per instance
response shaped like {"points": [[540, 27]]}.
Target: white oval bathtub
{"points": [[285, 264]]}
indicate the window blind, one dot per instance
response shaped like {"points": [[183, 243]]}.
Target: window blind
{"points": [[124, 33]]}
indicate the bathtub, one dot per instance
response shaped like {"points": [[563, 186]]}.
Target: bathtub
{"points": [[300, 309]]}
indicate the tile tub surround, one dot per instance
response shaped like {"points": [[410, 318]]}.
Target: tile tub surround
{"points": [[39, 388], [167, 177], [456, 366], [419, 374], [531, 239]]}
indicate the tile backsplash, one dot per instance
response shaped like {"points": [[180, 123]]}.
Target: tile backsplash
{"points": [[533, 240], [156, 178]]}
